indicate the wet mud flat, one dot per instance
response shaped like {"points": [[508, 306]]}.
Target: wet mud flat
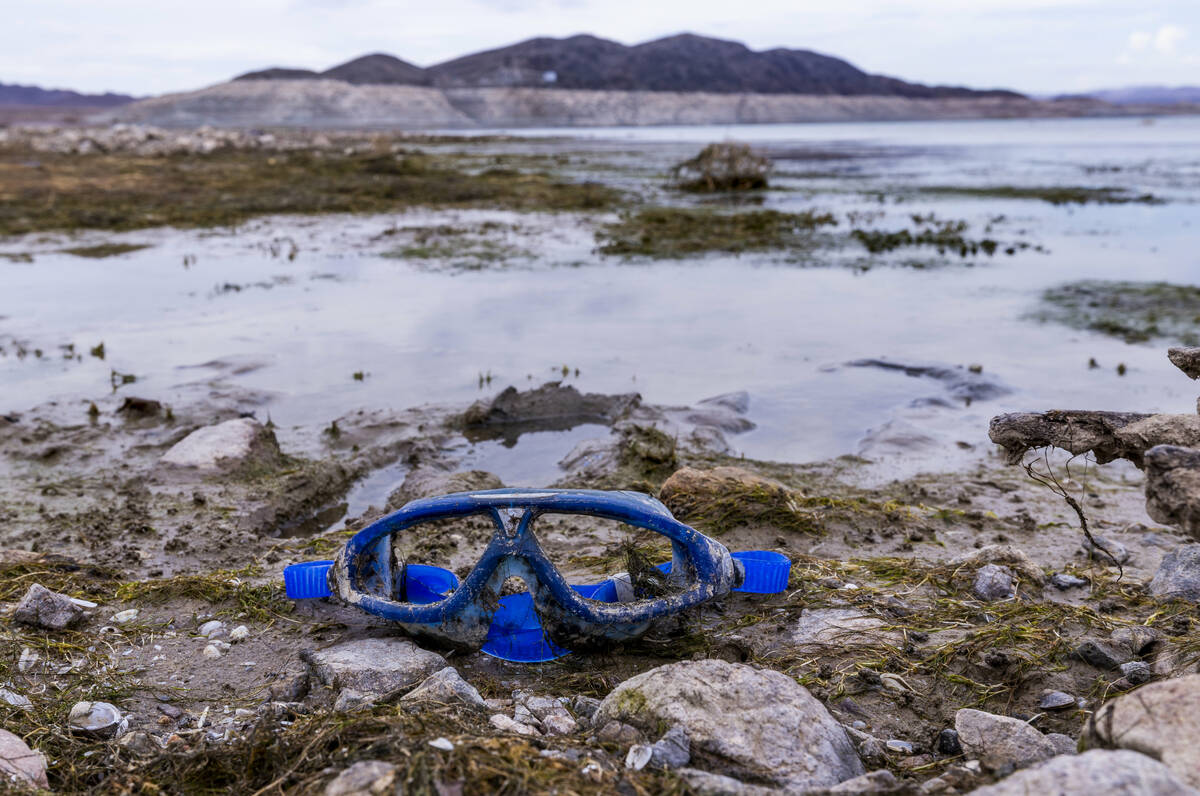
{"points": [[943, 603]]}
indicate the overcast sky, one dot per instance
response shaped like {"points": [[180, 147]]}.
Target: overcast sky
{"points": [[1041, 46]]}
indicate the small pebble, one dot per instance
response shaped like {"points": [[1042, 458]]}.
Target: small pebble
{"points": [[1136, 672], [125, 616], [898, 746], [442, 743], [211, 628], [239, 633], [211, 651], [1063, 581], [947, 742], [1056, 700]]}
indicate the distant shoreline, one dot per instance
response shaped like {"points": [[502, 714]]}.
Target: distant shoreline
{"points": [[330, 104]]}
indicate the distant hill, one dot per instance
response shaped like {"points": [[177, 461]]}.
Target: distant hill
{"points": [[1149, 95], [686, 62], [34, 97]]}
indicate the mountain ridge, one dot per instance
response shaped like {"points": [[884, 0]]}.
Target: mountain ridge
{"points": [[683, 62], [13, 94]]}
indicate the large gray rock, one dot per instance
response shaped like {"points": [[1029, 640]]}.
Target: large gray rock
{"points": [[43, 608], [1001, 743], [1160, 719], [1179, 574], [231, 445], [745, 722], [1173, 486], [373, 666], [448, 688], [1094, 773], [19, 764]]}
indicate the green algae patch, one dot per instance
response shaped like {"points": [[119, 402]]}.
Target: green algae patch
{"points": [[225, 188], [1135, 312], [671, 232], [1055, 195], [102, 250]]}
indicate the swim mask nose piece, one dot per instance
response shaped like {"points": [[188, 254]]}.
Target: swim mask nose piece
{"points": [[552, 617]]}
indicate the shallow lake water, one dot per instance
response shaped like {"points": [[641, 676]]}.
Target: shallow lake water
{"points": [[674, 331]]}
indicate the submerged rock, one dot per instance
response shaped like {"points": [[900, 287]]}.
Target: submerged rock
{"points": [[1178, 575], [1001, 743], [20, 764], [967, 384], [373, 666], [551, 405], [1096, 772], [746, 721], [1160, 719], [226, 446], [49, 610]]}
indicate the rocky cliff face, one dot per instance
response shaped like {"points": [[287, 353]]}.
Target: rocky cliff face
{"points": [[335, 104]]}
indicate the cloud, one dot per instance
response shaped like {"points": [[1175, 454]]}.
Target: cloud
{"points": [[1167, 39], [1161, 46]]}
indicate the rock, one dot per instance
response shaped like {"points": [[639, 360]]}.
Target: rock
{"points": [[1073, 431], [947, 742], [125, 617], [49, 610], [1136, 672], [897, 746], [505, 724], [752, 722], [228, 446], [618, 732], [559, 725], [239, 633], [965, 384], [427, 482], [1056, 700], [364, 778], [819, 628], [349, 700], [1003, 555], [1096, 772], [673, 750], [585, 707], [1063, 744], [1112, 550], [1186, 359], [994, 582], [1173, 486], [1001, 743], [1064, 581], [704, 783], [97, 719], [1139, 639], [379, 666], [1178, 575], [442, 743], [548, 405], [211, 629], [1102, 653], [1160, 719], [446, 687], [725, 412], [16, 700], [140, 743], [20, 764], [212, 652], [881, 781]]}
